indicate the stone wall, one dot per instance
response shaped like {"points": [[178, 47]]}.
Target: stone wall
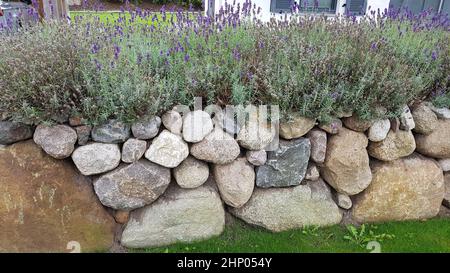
{"points": [[172, 178]]}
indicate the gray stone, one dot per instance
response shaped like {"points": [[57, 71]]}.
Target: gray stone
{"points": [[226, 121], [257, 158], [83, 134], [255, 136], [196, 126], [441, 113], [425, 119], [379, 130], [218, 147], [11, 132], [111, 132], [445, 164], [132, 186], [406, 120], [318, 139], [178, 216], [168, 150], [146, 128], [235, 181], [312, 173], [285, 166], [96, 158], [332, 127], [133, 150], [58, 141], [343, 201], [173, 122], [290, 208], [446, 201], [191, 173]]}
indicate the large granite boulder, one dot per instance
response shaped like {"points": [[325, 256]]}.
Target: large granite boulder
{"points": [[346, 166], [132, 186], [46, 204], [290, 208], [437, 143], [404, 189], [286, 166], [179, 215]]}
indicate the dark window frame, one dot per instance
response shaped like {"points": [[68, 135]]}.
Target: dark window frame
{"points": [[332, 10]]}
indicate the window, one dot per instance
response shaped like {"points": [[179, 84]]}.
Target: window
{"points": [[446, 7], [356, 7], [417, 6], [281, 6]]}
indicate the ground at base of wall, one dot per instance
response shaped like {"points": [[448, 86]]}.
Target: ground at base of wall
{"points": [[412, 236]]}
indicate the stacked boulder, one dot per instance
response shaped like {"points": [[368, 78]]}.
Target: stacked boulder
{"points": [[172, 178]]}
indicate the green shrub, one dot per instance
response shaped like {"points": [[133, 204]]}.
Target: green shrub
{"points": [[137, 63]]}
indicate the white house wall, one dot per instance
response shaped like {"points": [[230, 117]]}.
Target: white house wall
{"points": [[265, 14]]}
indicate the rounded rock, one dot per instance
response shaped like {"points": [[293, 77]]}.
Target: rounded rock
{"points": [[58, 141], [191, 173]]}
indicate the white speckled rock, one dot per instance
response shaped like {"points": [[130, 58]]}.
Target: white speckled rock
{"points": [[96, 158], [58, 141], [167, 150], [196, 126], [191, 173], [312, 173], [235, 181], [318, 139], [425, 119], [255, 136], [343, 201], [406, 120], [179, 215], [442, 113], [133, 150], [379, 130], [445, 164], [279, 209]]}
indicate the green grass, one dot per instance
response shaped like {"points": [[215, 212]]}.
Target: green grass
{"points": [[412, 236]]}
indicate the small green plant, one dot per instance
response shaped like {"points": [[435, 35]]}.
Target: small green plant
{"points": [[311, 231], [365, 234]]}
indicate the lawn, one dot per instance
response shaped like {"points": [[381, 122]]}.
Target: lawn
{"points": [[412, 236]]}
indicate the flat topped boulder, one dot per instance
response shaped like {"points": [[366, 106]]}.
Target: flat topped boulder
{"points": [[279, 209], [394, 146], [46, 204], [179, 215], [404, 189], [286, 166], [132, 186]]}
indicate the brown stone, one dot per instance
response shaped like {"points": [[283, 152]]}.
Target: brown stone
{"points": [[346, 166], [356, 124], [404, 189], [394, 146], [121, 216], [46, 204], [436, 144]]}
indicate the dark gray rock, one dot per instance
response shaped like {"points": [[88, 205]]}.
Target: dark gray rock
{"points": [[111, 132], [146, 128], [11, 132], [132, 186], [285, 166]]}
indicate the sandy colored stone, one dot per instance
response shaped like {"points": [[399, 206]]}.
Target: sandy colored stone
{"points": [[436, 144], [425, 119], [447, 190], [167, 150], [404, 189], [235, 181], [332, 127], [121, 216], [312, 173], [346, 166], [343, 201], [296, 127], [379, 130], [46, 204], [394, 146], [318, 139], [445, 164], [255, 136], [191, 173], [173, 122], [356, 124], [96, 158]]}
